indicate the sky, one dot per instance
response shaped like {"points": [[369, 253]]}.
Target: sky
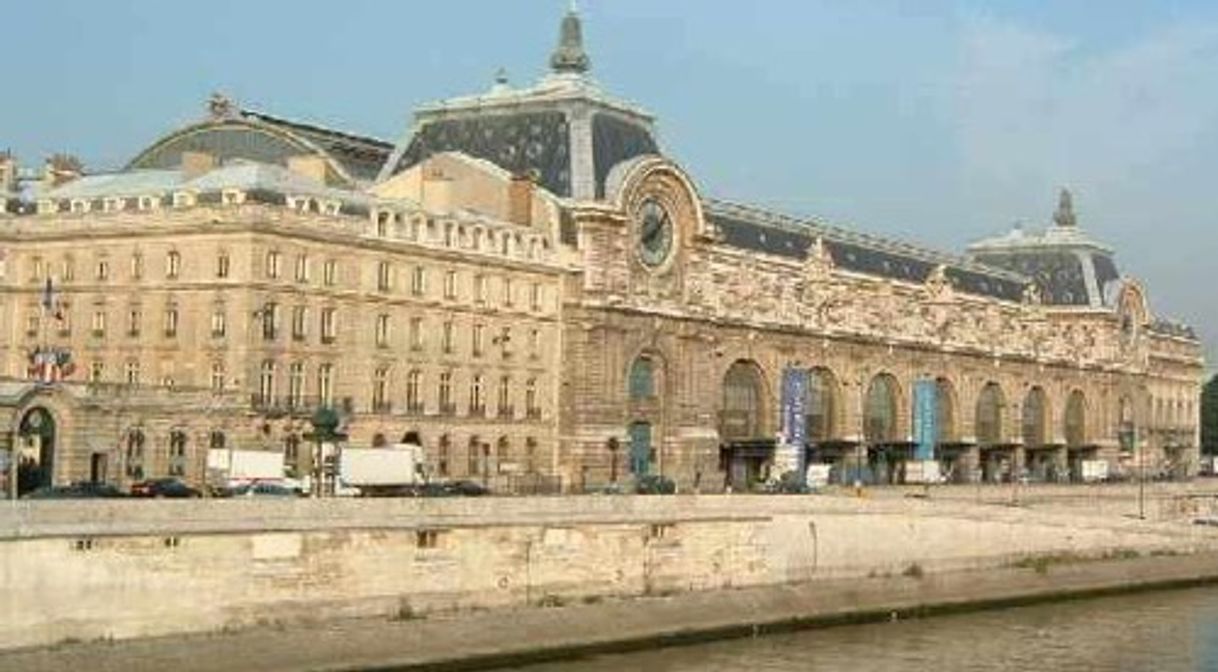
{"points": [[938, 122]]}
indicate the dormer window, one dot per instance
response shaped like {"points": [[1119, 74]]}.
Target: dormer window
{"points": [[113, 204], [232, 197], [148, 202], [183, 199], [80, 206], [332, 208], [382, 224]]}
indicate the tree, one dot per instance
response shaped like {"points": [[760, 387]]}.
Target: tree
{"points": [[1209, 417]]}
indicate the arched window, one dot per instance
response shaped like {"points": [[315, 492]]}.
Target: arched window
{"points": [[945, 411], [1076, 419], [1034, 418], [742, 403], [989, 415], [821, 406], [177, 453], [642, 379], [880, 412]]}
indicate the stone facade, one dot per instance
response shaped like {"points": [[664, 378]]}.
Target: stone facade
{"points": [[529, 285]]}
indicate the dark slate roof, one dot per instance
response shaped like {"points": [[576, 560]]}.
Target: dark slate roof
{"points": [[1176, 329], [1057, 274], [362, 156], [761, 231], [530, 142]]}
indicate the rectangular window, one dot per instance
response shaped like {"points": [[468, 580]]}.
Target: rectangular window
{"points": [[418, 281], [508, 299], [380, 390], [132, 373], [477, 396], [296, 385], [383, 277], [272, 264], [270, 321], [137, 266], [505, 396], [535, 296], [382, 331], [134, 323], [69, 270], [266, 383], [414, 398], [300, 318], [219, 324], [99, 324], [329, 325], [222, 264], [329, 272], [32, 323], [446, 338], [97, 371], [302, 268], [173, 265], [446, 393], [450, 285], [478, 337], [103, 270], [480, 288], [217, 377], [325, 384], [171, 322], [534, 343], [416, 333]]}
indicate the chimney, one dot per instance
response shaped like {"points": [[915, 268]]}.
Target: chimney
{"points": [[61, 169], [520, 199], [311, 166], [195, 164]]}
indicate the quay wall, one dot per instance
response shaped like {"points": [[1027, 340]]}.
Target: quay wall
{"points": [[82, 571]]}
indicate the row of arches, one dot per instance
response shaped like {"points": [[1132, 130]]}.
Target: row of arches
{"points": [[747, 409]]}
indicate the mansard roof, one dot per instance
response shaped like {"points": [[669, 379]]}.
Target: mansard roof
{"points": [[231, 134], [760, 230]]}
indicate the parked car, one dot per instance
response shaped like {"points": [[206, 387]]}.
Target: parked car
{"points": [[164, 487], [464, 489], [263, 489], [76, 491]]}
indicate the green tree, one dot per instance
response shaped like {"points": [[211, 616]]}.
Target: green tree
{"points": [[1209, 417]]}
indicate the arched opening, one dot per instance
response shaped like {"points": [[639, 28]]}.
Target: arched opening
{"points": [[641, 451], [997, 456], [949, 450], [821, 406], [1043, 459], [36, 457], [746, 446], [641, 383], [1078, 451], [880, 410]]}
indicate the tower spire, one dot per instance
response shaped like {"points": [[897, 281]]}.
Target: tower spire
{"points": [[569, 56]]}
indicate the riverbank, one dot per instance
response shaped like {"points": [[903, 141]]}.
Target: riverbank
{"points": [[495, 638]]}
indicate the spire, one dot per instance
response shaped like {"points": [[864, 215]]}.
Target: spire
{"points": [[569, 57], [1064, 217]]}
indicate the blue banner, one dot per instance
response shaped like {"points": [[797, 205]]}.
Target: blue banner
{"points": [[794, 414], [926, 418]]}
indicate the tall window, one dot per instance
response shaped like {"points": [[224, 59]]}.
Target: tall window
{"points": [[382, 331], [177, 453], [329, 325], [171, 322], [880, 411], [418, 280], [380, 389], [266, 382], [217, 377], [416, 333], [642, 380], [442, 455], [270, 321], [97, 371], [446, 337], [477, 395], [325, 384], [478, 338], [508, 298], [329, 272], [534, 343], [821, 404], [989, 415], [103, 270], [1034, 418], [480, 288], [302, 268], [296, 385], [222, 265], [742, 391], [134, 320], [1076, 419], [414, 396], [505, 396], [219, 323], [173, 265], [137, 266], [99, 323], [530, 455], [535, 296], [383, 280], [273, 260], [132, 373], [300, 323], [945, 411], [531, 408], [446, 393], [450, 285]]}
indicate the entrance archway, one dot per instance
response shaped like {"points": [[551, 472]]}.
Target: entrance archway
{"points": [[36, 450]]}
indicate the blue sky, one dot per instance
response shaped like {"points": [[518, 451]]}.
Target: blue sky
{"points": [[938, 122]]}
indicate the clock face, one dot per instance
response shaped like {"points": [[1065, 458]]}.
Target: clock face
{"points": [[655, 233]]}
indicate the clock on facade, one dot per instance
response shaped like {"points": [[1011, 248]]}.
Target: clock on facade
{"points": [[655, 233]]}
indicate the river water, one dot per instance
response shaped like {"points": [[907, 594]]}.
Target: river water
{"points": [[1169, 631]]}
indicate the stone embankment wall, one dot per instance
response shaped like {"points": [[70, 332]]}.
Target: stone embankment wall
{"points": [[90, 570]]}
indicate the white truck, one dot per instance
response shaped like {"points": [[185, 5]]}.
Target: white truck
{"points": [[371, 472], [229, 468], [1093, 471]]}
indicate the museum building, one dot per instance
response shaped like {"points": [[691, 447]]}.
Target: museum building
{"points": [[529, 286]]}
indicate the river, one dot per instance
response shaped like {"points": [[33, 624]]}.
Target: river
{"points": [[1168, 631]]}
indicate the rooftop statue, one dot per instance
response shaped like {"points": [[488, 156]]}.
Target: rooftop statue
{"points": [[1064, 217], [569, 57]]}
